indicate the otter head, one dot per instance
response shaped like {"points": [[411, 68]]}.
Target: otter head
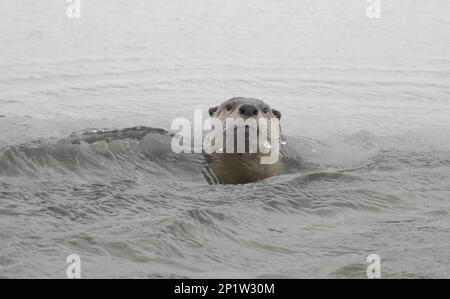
{"points": [[243, 108], [249, 116]]}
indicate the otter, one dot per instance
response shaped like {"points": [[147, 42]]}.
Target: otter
{"points": [[240, 167]]}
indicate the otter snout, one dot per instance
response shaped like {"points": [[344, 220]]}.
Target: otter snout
{"points": [[248, 110]]}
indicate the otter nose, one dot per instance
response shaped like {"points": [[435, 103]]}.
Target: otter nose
{"points": [[248, 110]]}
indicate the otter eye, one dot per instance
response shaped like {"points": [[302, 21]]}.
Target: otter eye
{"points": [[265, 110], [229, 107]]}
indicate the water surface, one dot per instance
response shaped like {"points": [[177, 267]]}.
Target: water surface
{"points": [[365, 111]]}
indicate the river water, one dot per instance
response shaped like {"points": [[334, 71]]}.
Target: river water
{"points": [[365, 109]]}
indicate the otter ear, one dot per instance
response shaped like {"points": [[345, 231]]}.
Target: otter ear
{"points": [[276, 113], [212, 110]]}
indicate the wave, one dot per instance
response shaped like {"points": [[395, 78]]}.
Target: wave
{"points": [[98, 152]]}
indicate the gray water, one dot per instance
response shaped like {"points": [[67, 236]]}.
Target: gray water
{"points": [[365, 111]]}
